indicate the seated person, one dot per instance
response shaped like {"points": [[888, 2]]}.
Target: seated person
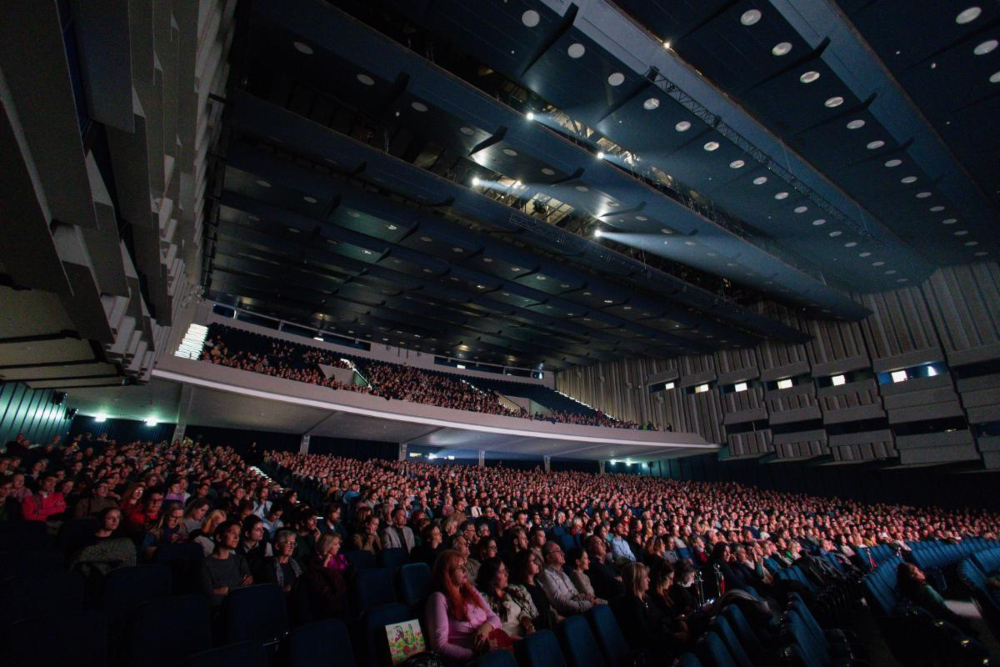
{"points": [[282, 568], [562, 593], [324, 580], [511, 602], [431, 546], [367, 539], [106, 549], [95, 503], [579, 563], [205, 534], [644, 626], [225, 569], [603, 577], [10, 509], [913, 584], [46, 503], [459, 622], [168, 530]]}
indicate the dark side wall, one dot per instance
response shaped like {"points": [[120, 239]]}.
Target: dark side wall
{"points": [[33, 412]]}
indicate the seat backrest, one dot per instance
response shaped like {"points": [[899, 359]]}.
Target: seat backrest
{"points": [[359, 560], [578, 643], [744, 631], [34, 596], [36, 562], [733, 645], [495, 659], [254, 613], [72, 531], [242, 654], [715, 652], [414, 584], [609, 636], [375, 651], [313, 645], [77, 638], [127, 587], [540, 649], [688, 660], [371, 588], [814, 652], [165, 632], [393, 559]]}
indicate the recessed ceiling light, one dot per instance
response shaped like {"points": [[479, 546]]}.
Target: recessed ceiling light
{"points": [[651, 104], [582, 188], [667, 231], [683, 126], [263, 184], [961, 232], [600, 155], [923, 195], [641, 218], [971, 244], [365, 79], [310, 200], [836, 233], [864, 254], [353, 214], [902, 280], [750, 17], [985, 47], [540, 277], [890, 272], [711, 146], [530, 18], [834, 102], [949, 221], [302, 47], [908, 179], [760, 180], [809, 77], [608, 301], [426, 239], [781, 49], [856, 124], [419, 106], [736, 164], [689, 243], [781, 195], [850, 244], [367, 252], [510, 152], [457, 249], [995, 77], [616, 79], [936, 209], [392, 228], [982, 253], [878, 263], [968, 15], [801, 209], [467, 131], [576, 50], [548, 172], [873, 145], [293, 230], [819, 223], [893, 163]]}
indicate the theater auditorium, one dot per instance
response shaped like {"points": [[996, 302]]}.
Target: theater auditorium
{"points": [[499, 333]]}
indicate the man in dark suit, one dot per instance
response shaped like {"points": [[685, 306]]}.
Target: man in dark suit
{"points": [[606, 582]]}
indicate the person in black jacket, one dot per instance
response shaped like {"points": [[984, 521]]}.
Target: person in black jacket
{"points": [[643, 624], [606, 582]]}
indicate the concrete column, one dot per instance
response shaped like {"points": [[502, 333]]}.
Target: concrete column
{"points": [[548, 464], [304, 444], [402, 451], [600, 465], [482, 458]]}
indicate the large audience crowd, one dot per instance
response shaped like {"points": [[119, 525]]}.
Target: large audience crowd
{"points": [[510, 551], [402, 382]]}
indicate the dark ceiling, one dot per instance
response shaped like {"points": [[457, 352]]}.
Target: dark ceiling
{"points": [[380, 178]]}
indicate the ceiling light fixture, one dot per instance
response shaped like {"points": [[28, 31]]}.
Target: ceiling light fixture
{"points": [[576, 50], [835, 101], [856, 124], [366, 80], [923, 195], [781, 49], [874, 145], [600, 155], [836, 233], [310, 200], [303, 48], [801, 209], [736, 164], [651, 104], [809, 77], [995, 77], [750, 17], [467, 131], [711, 146], [616, 79], [683, 126], [419, 106], [582, 188], [986, 47], [510, 152], [781, 195], [263, 184], [908, 179], [530, 18], [895, 162], [598, 233], [949, 221], [530, 115], [968, 15], [475, 180], [760, 180], [819, 223], [548, 172]]}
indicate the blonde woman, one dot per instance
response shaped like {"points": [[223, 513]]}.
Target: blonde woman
{"points": [[215, 517]]}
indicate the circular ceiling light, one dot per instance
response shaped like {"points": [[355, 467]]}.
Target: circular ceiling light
{"points": [[365, 79], [310, 200], [995, 77], [781, 195], [736, 164], [908, 179], [303, 48], [392, 228], [902, 280], [890, 272], [641, 218], [667, 231], [836, 233], [613, 204], [850, 244], [293, 230], [949, 221], [576, 50], [548, 172], [834, 102], [457, 249], [263, 184], [582, 188], [801, 209], [530, 18], [467, 131], [878, 263], [426, 239], [616, 79], [683, 126], [985, 47], [419, 106], [923, 195], [936, 209], [781, 49], [540, 277], [856, 124], [600, 155], [874, 145], [819, 223], [760, 180], [651, 104], [689, 243], [971, 244], [510, 152], [982, 253], [864, 254], [353, 214], [961, 232], [712, 146], [809, 77], [750, 17], [895, 162]]}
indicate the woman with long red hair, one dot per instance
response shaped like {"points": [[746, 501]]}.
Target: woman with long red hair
{"points": [[459, 622]]}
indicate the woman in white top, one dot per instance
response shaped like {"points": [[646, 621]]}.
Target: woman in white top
{"points": [[512, 603]]}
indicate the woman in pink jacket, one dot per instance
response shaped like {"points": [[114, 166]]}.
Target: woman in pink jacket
{"points": [[459, 622]]}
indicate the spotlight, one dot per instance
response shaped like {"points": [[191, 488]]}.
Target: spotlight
{"points": [[531, 115], [475, 180], [598, 233], [100, 418], [666, 45], [517, 184], [600, 155]]}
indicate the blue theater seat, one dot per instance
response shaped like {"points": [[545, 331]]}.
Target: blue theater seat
{"points": [[715, 653], [375, 643], [243, 654], [127, 587], [35, 562], [414, 585], [254, 613], [33, 596], [732, 642], [578, 643], [393, 559], [358, 560], [609, 637], [371, 588], [495, 659], [540, 650], [164, 632], [321, 644], [60, 640], [689, 660]]}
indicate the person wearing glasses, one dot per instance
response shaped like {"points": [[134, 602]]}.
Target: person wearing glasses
{"points": [[170, 529], [562, 593], [511, 602], [459, 622]]}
